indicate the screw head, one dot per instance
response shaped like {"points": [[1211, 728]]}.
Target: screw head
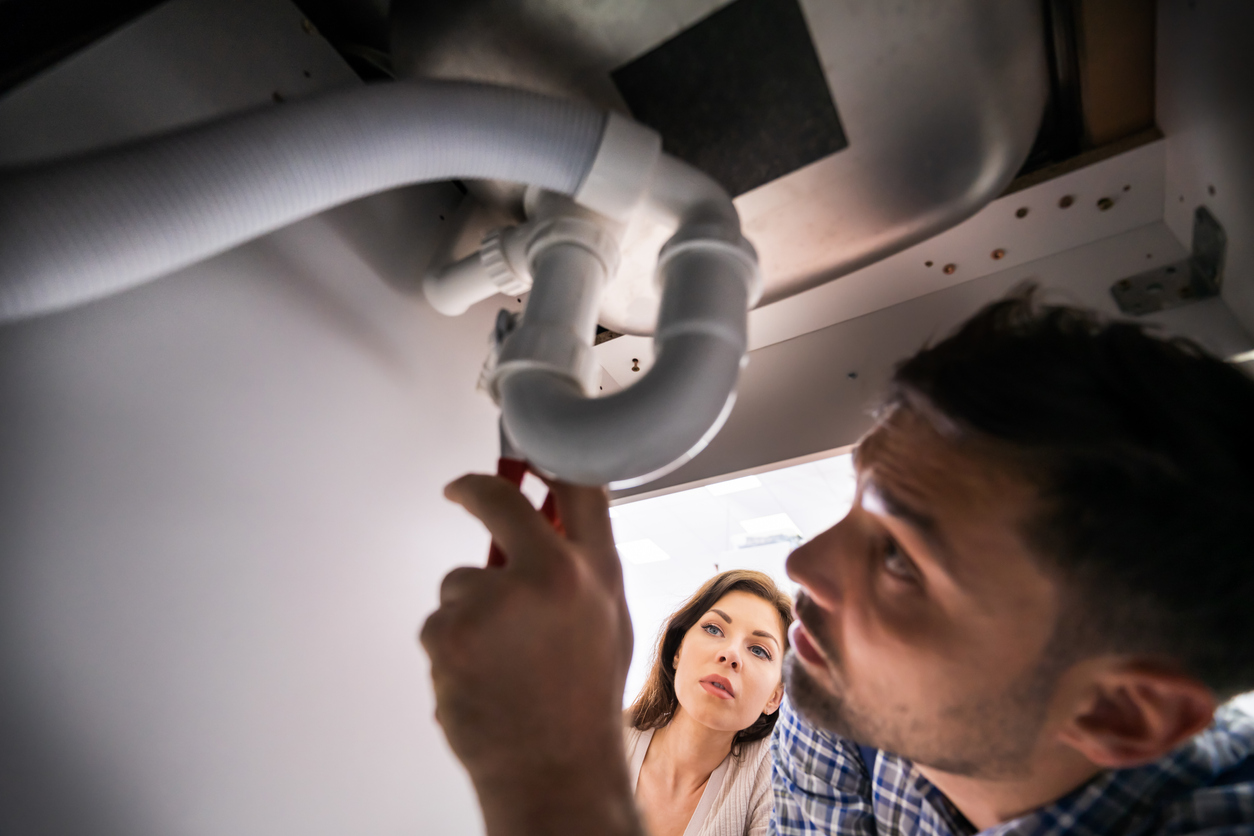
{"points": [[635, 364], [1065, 201], [1021, 212], [998, 254], [852, 375], [948, 269], [1105, 203]]}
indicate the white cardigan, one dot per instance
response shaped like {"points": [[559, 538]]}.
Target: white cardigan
{"points": [[739, 804]]}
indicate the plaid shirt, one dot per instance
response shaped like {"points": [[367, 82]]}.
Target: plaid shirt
{"points": [[822, 787]]}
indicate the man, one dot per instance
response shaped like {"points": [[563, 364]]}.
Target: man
{"points": [[1025, 624]]}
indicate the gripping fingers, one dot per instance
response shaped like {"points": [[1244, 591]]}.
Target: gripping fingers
{"points": [[585, 512], [461, 583], [517, 527]]}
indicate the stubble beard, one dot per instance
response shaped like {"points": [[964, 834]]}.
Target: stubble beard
{"points": [[991, 738], [820, 706]]}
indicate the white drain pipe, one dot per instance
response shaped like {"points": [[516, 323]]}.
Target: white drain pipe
{"points": [[76, 230], [664, 419]]}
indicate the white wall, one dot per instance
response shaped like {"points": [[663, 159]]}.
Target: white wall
{"points": [[221, 521]]}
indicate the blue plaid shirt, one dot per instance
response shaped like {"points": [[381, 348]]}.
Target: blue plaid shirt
{"points": [[822, 787]]}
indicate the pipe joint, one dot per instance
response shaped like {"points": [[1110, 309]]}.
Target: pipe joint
{"points": [[573, 231], [622, 169], [720, 247], [570, 259]]}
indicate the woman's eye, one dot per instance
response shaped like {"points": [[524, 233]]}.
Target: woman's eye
{"points": [[895, 561], [712, 629], [760, 652]]}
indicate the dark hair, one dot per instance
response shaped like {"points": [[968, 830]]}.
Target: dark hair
{"points": [[657, 701], [1142, 451]]}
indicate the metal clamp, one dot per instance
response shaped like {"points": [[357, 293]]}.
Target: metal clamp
{"points": [[1197, 277]]}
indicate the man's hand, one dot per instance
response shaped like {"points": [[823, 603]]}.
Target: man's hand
{"points": [[529, 663]]}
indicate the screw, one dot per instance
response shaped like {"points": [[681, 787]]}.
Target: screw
{"points": [[1022, 212], [1105, 203], [948, 269], [1066, 201], [635, 364], [1210, 190], [927, 264], [852, 375], [998, 254]]}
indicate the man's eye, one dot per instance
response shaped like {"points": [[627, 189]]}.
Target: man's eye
{"points": [[895, 561]]}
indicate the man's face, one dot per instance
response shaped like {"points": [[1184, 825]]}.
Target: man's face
{"points": [[923, 616]]}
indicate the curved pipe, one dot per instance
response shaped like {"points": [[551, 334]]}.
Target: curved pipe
{"points": [[667, 417], [79, 229]]}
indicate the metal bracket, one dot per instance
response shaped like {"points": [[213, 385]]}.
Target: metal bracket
{"points": [[1198, 277]]}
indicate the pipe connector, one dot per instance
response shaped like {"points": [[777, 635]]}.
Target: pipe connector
{"points": [[503, 256], [713, 240], [499, 266], [622, 169], [503, 262], [570, 260]]}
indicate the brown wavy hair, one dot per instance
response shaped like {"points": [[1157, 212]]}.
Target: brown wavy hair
{"points": [[655, 705]]}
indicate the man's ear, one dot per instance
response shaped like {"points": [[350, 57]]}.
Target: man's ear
{"points": [[1132, 712], [777, 696]]}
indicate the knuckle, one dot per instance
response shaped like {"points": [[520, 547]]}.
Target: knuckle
{"points": [[457, 583]]}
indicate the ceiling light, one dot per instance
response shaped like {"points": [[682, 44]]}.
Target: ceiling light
{"points": [[642, 551], [744, 483], [772, 524]]}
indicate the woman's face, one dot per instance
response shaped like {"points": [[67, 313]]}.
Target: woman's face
{"points": [[729, 665]]}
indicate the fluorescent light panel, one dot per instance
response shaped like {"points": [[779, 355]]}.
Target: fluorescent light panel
{"points": [[642, 551], [771, 524], [744, 483]]}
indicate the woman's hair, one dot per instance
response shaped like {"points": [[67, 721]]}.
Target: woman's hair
{"points": [[655, 705]]}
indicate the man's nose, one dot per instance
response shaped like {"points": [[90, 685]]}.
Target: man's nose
{"points": [[818, 566]]}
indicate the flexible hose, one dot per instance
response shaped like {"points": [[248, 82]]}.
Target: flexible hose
{"points": [[78, 229]]}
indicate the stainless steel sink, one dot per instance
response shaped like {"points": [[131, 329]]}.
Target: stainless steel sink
{"points": [[939, 102]]}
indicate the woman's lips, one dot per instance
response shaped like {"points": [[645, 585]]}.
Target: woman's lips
{"points": [[719, 687], [805, 646]]}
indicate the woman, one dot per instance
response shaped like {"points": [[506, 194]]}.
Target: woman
{"points": [[698, 734]]}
